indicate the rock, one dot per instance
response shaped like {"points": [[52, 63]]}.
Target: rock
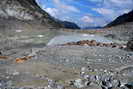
{"points": [[1, 53], [114, 46], [53, 85], [124, 87], [79, 83], [109, 83], [15, 73], [93, 42], [101, 45], [116, 83], [130, 45], [129, 85], [4, 83], [110, 36]]}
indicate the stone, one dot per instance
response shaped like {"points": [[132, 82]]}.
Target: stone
{"points": [[53, 85], [130, 45], [93, 42], [110, 36], [79, 83], [16, 73], [129, 85]]}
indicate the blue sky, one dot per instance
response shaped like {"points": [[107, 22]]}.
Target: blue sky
{"points": [[86, 13]]}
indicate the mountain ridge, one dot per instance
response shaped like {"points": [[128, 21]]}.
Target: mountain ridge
{"points": [[125, 18], [26, 10], [69, 25]]}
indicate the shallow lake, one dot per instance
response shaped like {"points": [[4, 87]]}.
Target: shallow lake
{"points": [[62, 39]]}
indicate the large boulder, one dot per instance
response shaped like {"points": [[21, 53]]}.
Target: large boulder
{"points": [[130, 45]]}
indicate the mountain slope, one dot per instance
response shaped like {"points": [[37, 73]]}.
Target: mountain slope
{"points": [[70, 25], [122, 19], [20, 11], [121, 28]]}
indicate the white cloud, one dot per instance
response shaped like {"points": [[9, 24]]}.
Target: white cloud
{"points": [[111, 13], [52, 11], [41, 4], [70, 8], [87, 19], [108, 10], [103, 11], [121, 4], [57, 1], [63, 6], [122, 1], [90, 21], [126, 10]]}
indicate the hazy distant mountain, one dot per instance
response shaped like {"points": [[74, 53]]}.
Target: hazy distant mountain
{"points": [[122, 27], [122, 19], [124, 30], [92, 28], [70, 25]]}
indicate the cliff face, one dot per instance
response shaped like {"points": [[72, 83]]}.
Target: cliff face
{"points": [[18, 11], [122, 19]]}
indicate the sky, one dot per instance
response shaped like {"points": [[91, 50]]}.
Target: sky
{"points": [[86, 13]]}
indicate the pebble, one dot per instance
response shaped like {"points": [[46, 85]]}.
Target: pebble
{"points": [[129, 85], [16, 73], [53, 85], [79, 83]]}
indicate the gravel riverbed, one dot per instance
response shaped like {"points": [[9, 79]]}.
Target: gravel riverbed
{"points": [[65, 67]]}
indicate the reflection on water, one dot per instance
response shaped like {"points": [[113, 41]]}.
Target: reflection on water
{"points": [[29, 36], [77, 37], [53, 37]]}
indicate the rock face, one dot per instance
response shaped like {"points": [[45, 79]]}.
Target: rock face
{"points": [[20, 11], [122, 19]]}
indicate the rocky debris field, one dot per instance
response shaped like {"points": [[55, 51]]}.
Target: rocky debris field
{"points": [[26, 66], [94, 43], [28, 62]]}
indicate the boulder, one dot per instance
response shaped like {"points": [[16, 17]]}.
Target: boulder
{"points": [[130, 45]]}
